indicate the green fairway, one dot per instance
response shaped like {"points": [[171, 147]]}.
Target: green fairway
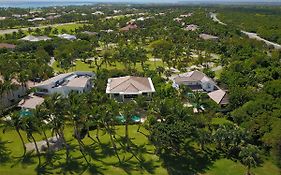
{"points": [[104, 161], [68, 27], [81, 66]]}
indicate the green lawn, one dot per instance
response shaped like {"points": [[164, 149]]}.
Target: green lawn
{"points": [[68, 27], [104, 161], [81, 66]]}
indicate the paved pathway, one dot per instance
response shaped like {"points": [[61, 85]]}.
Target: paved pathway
{"points": [[51, 61], [249, 34]]}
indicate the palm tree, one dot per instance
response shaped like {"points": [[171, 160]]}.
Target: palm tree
{"points": [[56, 106], [128, 110], [31, 126], [78, 117], [41, 114], [17, 124], [249, 157]]}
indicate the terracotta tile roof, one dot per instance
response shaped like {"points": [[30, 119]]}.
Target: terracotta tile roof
{"points": [[208, 37], [219, 96], [7, 46], [31, 102], [129, 27], [130, 84], [191, 76]]}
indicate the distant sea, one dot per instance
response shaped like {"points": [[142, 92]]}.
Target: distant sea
{"points": [[34, 4]]}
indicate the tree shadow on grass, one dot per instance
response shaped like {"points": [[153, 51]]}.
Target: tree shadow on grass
{"points": [[26, 160], [135, 160], [190, 162], [4, 153]]}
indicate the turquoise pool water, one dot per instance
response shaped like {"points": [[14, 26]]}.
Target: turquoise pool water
{"points": [[134, 118]]}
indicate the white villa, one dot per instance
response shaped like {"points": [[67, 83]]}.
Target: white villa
{"points": [[191, 27], [205, 36], [198, 81], [65, 83], [128, 87], [67, 36], [32, 38]]}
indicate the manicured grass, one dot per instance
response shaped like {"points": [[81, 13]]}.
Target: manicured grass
{"points": [[81, 66], [229, 167], [102, 156], [104, 161], [68, 27]]}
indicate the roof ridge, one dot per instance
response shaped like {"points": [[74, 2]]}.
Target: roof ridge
{"points": [[132, 85], [128, 78]]}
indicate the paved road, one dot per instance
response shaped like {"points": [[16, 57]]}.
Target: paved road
{"points": [[9, 31], [249, 34], [214, 17], [51, 61]]}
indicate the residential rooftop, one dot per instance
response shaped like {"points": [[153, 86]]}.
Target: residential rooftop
{"points": [[35, 38], [129, 85]]}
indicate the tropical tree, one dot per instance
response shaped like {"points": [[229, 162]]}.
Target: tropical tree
{"points": [[249, 157], [16, 123]]}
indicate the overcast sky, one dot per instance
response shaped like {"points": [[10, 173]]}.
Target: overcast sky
{"points": [[139, 0]]}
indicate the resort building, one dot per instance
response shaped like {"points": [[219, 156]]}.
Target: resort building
{"points": [[36, 19], [128, 87], [98, 13], [65, 83], [186, 15], [32, 38], [67, 36], [89, 33], [130, 26], [219, 96], [7, 46], [198, 81], [191, 27], [30, 102], [208, 37], [13, 96]]}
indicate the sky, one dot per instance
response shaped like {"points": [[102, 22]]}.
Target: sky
{"points": [[142, 1], [138, 0]]}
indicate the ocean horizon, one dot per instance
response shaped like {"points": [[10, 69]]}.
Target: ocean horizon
{"points": [[34, 4]]}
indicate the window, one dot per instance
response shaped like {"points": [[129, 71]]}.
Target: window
{"points": [[130, 96]]}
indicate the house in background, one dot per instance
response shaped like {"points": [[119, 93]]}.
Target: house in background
{"points": [[208, 37], [196, 80], [11, 97], [7, 46], [128, 87], [67, 36], [219, 96], [32, 38], [191, 27], [30, 102], [130, 26], [65, 83]]}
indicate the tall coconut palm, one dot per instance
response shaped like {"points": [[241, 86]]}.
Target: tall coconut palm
{"points": [[16, 123], [128, 110], [42, 115], [57, 108], [78, 117], [31, 126]]}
